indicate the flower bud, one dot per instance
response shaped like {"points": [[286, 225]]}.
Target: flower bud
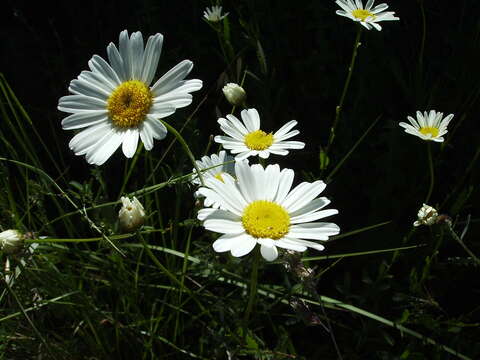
{"points": [[235, 94], [131, 215], [427, 215], [11, 241]]}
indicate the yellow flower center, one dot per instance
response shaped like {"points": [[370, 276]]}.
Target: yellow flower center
{"points": [[433, 131], [265, 219], [218, 176], [258, 140], [129, 104], [362, 14]]}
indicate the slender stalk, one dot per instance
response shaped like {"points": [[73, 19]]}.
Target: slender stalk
{"points": [[253, 290], [462, 244], [338, 109], [432, 173], [130, 169], [186, 148]]}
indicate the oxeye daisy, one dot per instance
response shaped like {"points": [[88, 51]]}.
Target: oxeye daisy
{"points": [[261, 208], [367, 16], [428, 126], [114, 104], [214, 14], [218, 167], [246, 139]]}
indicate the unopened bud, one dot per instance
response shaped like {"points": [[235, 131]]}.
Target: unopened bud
{"points": [[235, 94], [11, 241], [131, 215]]}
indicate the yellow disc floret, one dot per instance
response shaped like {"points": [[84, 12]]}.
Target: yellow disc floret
{"points": [[362, 14], [258, 140], [265, 219], [129, 103], [433, 131]]}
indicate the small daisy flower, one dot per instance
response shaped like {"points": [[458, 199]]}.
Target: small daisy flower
{"points": [[217, 169], [261, 208], [427, 215], [132, 214], [214, 14], [246, 139], [11, 241], [428, 126], [367, 16], [115, 105], [215, 165]]}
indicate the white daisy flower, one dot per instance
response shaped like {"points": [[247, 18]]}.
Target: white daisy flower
{"points": [[261, 208], [246, 139], [114, 104], [216, 166], [216, 170], [428, 126], [367, 16], [214, 14], [427, 215]]}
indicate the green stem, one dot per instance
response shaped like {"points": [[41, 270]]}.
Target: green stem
{"points": [[432, 173], [130, 170], [345, 89], [462, 244], [186, 148], [253, 290]]}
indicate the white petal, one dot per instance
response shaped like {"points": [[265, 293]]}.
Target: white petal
{"points": [[315, 231], [151, 57], [78, 103], [82, 141], [155, 127], [301, 195], [228, 241], [116, 61], [251, 119], [130, 142], [102, 151], [84, 119], [285, 129], [244, 246], [285, 184], [171, 79], [269, 253], [313, 216], [136, 44]]}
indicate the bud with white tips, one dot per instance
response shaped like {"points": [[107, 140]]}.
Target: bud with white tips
{"points": [[427, 215], [131, 215], [11, 241], [235, 94]]}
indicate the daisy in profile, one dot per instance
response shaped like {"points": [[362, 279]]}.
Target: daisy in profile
{"points": [[214, 14], [218, 166], [261, 208], [246, 139], [367, 16], [428, 126], [115, 105]]}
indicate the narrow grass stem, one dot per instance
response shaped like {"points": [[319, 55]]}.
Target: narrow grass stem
{"points": [[462, 244], [432, 173], [186, 148], [338, 109], [253, 291]]}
